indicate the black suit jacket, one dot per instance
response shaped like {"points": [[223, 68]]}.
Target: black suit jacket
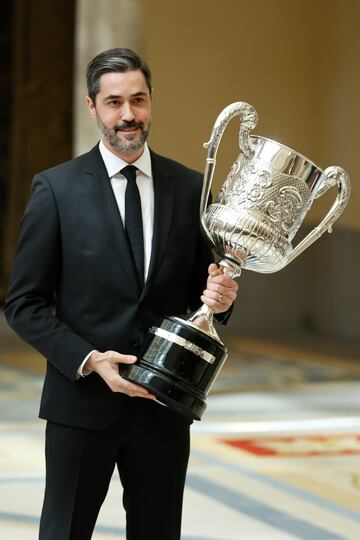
{"points": [[73, 249]]}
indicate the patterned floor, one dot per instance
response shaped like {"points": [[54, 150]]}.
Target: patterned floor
{"points": [[277, 456]]}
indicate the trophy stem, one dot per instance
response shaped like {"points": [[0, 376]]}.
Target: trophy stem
{"points": [[203, 318], [232, 268]]}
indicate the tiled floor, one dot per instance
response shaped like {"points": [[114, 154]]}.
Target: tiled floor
{"points": [[277, 456]]}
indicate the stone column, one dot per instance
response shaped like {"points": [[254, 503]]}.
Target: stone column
{"points": [[99, 26]]}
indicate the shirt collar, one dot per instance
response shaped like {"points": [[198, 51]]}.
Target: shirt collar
{"points": [[114, 164]]}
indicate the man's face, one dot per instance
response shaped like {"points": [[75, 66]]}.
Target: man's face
{"points": [[123, 113]]}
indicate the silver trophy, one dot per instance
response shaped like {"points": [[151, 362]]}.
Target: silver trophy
{"points": [[258, 211]]}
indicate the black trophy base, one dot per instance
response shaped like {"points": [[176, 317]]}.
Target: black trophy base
{"points": [[167, 391], [179, 365]]}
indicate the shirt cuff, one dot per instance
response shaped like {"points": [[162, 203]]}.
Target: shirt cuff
{"points": [[80, 372]]}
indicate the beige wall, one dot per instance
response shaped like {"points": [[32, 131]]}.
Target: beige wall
{"points": [[296, 61]]}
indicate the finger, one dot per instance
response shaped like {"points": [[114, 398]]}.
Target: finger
{"points": [[223, 297], [223, 280], [124, 358], [134, 390], [217, 296], [127, 359], [213, 304], [118, 384], [214, 269], [226, 291]]}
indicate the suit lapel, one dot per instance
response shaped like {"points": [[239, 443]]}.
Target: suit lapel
{"points": [[104, 199], [163, 212]]}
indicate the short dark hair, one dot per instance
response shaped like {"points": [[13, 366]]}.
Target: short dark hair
{"points": [[114, 60]]}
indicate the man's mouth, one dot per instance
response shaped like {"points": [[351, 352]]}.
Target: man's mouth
{"points": [[129, 128]]}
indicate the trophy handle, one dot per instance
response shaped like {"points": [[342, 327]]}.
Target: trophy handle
{"points": [[203, 317], [331, 177], [248, 121]]}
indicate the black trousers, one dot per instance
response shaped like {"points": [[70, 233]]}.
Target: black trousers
{"points": [[150, 446]]}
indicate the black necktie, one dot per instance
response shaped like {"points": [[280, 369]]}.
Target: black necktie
{"points": [[133, 220]]}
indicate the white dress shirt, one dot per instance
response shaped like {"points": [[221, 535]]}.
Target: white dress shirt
{"points": [[144, 181]]}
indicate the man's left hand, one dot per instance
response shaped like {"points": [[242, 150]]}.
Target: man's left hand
{"points": [[220, 291]]}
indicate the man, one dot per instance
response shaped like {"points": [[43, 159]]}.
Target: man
{"points": [[77, 249]]}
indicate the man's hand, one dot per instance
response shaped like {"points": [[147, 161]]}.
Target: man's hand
{"points": [[107, 366], [220, 291]]}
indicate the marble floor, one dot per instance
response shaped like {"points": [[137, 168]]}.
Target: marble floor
{"points": [[276, 457]]}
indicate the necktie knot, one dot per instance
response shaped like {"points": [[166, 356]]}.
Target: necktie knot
{"points": [[129, 172]]}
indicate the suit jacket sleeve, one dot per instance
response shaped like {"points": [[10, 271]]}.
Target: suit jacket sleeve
{"points": [[35, 279]]}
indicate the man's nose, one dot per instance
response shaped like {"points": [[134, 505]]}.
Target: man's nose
{"points": [[127, 112]]}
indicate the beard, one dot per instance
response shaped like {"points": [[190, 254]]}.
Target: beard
{"points": [[128, 141]]}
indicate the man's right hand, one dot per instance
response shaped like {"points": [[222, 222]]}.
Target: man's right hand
{"points": [[107, 366]]}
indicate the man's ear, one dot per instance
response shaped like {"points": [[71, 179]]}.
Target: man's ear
{"points": [[91, 106]]}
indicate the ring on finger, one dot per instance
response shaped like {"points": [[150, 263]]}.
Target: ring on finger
{"points": [[219, 297]]}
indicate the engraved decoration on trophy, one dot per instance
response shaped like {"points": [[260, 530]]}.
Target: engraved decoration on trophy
{"points": [[251, 224]]}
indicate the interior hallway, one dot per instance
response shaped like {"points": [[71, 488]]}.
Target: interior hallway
{"points": [[277, 456]]}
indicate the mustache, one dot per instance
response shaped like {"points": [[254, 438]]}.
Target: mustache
{"points": [[130, 125]]}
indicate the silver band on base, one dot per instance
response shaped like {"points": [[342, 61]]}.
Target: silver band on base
{"points": [[182, 342]]}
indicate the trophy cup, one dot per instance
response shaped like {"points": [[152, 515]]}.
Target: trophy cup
{"points": [[258, 210]]}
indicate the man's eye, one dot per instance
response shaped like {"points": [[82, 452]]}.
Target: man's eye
{"points": [[138, 100], [114, 103]]}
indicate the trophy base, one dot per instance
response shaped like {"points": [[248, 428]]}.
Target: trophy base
{"points": [[167, 393], [179, 366]]}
